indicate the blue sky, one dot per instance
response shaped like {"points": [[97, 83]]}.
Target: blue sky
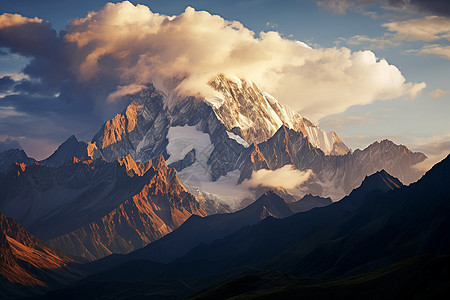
{"points": [[39, 121]]}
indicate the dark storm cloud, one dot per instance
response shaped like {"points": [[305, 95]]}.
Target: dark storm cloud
{"points": [[434, 7], [50, 103], [6, 83], [427, 7]]}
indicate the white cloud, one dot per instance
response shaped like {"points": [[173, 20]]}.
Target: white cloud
{"points": [[287, 177], [437, 93], [123, 91], [9, 20], [141, 46], [436, 50], [426, 29]]}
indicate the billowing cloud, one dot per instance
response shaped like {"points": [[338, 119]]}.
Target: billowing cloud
{"points": [[81, 74], [197, 46], [10, 20], [287, 177]]}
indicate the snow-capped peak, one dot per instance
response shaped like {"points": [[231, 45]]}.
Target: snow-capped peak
{"points": [[256, 115]]}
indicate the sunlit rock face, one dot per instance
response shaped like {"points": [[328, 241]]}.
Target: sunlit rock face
{"points": [[256, 115], [27, 261], [93, 208], [162, 205]]}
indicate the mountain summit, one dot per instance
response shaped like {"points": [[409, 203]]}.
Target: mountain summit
{"points": [[70, 148], [256, 116]]}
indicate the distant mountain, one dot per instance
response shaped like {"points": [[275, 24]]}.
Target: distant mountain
{"points": [[309, 202], [70, 148], [337, 175], [202, 231], [246, 246], [93, 208], [197, 230], [14, 155], [27, 265], [272, 237], [378, 224], [305, 203], [162, 205]]}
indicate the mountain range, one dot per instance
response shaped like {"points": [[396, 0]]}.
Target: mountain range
{"points": [[217, 143], [368, 232], [381, 229], [164, 196], [92, 208]]}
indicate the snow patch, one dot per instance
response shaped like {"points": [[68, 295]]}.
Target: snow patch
{"points": [[183, 139], [197, 177], [216, 102], [238, 139]]}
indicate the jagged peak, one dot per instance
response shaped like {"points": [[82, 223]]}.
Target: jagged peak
{"points": [[269, 195], [71, 138], [160, 161], [134, 167], [382, 180]]}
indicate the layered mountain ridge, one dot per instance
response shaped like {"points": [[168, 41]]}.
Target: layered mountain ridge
{"points": [[198, 230], [93, 208], [337, 175], [162, 205], [209, 242], [26, 262]]}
